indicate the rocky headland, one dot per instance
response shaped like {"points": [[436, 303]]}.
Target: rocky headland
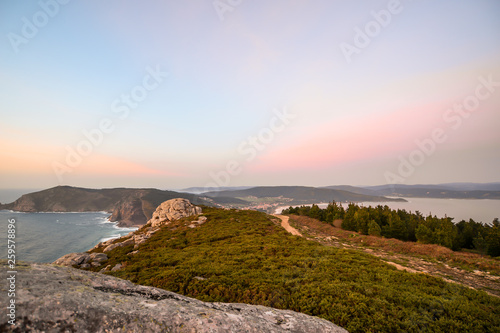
{"points": [[128, 207]]}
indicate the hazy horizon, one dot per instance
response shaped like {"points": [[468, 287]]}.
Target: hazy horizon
{"points": [[21, 189], [173, 95]]}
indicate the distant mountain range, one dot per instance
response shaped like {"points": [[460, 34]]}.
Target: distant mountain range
{"points": [[444, 191], [133, 207], [199, 190]]}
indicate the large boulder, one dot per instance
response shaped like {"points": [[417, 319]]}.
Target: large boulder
{"points": [[73, 259], [83, 260], [171, 210], [62, 299]]}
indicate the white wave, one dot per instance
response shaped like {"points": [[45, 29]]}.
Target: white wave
{"points": [[125, 228], [12, 211], [104, 239], [120, 233], [15, 211], [58, 212], [106, 221]]}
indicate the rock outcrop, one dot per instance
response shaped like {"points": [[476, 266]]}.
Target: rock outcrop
{"points": [[173, 210], [84, 260], [62, 299]]}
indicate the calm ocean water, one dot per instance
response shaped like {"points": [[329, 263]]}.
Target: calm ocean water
{"points": [[44, 237], [483, 210]]}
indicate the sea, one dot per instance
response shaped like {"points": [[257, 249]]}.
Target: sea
{"points": [[45, 237], [480, 210]]}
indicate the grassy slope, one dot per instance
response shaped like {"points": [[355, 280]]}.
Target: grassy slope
{"points": [[320, 231], [245, 257]]}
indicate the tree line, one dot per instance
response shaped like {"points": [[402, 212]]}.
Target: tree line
{"points": [[407, 226]]}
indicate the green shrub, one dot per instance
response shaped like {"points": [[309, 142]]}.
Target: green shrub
{"points": [[374, 229]]}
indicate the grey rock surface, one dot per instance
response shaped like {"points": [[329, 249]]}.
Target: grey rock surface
{"points": [[173, 210], [72, 259], [63, 299], [82, 259]]}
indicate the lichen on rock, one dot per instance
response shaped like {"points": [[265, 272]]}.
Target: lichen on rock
{"points": [[172, 210]]}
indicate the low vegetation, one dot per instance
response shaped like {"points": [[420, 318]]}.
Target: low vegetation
{"points": [[246, 257], [473, 270], [408, 226]]}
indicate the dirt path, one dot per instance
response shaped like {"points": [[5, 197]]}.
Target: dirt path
{"points": [[287, 226]]}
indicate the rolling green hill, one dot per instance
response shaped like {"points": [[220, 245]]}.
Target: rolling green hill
{"points": [[246, 257], [299, 194]]}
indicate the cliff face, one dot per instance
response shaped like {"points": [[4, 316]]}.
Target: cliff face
{"points": [[129, 213], [53, 298], [128, 207]]}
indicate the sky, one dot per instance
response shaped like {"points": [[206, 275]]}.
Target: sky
{"points": [[174, 94]]}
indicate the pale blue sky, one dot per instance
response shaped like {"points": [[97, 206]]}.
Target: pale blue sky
{"points": [[353, 120]]}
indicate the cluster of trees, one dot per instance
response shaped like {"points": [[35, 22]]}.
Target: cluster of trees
{"points": [[408, 226]]}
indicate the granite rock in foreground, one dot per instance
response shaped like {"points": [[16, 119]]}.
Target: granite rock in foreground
{"points": [[52, 298]]}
